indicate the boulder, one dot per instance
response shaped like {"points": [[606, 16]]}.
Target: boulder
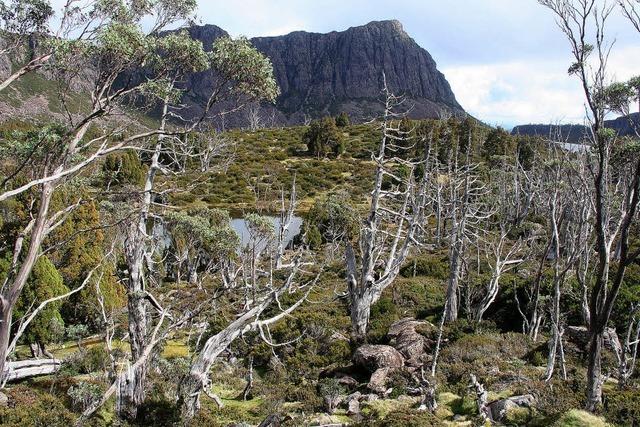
{"points": [[332, 402], [411, 344], [378, 381], [579, 335], [4, 400], [347, 381], [374, 357], [353, 404], [500, 408]]}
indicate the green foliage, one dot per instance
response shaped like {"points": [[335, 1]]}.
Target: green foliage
{"points": [[45, 283], [30, 407], [87, 361], [332, 219], [203, 232], [123, 169], [239, 62], [32, 144], [342, 120], [84, 394], [498, 143], [622, 407], [578, 418], [323, 138], [23, 17], [435, 266]]}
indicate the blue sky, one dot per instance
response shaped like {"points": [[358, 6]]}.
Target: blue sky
{"points": [[505, 59]]}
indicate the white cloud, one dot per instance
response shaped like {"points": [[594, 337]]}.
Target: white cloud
{"points": [[520, 92]]}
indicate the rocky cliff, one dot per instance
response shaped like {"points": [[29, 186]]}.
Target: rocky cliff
{"points": [[321, 74]]}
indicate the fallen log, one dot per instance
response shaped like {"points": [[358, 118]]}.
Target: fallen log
{"points": [[31, 368]]}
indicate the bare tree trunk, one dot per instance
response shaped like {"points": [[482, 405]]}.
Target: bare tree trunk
{"points": [[9, 298], [360, 312], [451, 304], [132, 391], [594, 371]]}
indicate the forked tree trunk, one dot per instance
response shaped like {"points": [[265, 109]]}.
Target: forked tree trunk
{"points": [[360, 312]]}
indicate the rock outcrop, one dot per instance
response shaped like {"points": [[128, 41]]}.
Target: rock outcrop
{"points": [[501, 408], [374, 357], [322, 74], [411, 344]]}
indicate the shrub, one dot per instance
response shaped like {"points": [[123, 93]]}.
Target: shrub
{"points": [[86, 361], [435, 266], [32, 408], [622, 407], [323, 138], [123, 168], [342, 120], [84, 394]]}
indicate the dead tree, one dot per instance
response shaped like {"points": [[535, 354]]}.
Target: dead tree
{"points": [[568, 217], [467, 211], [253, 114], [615, 191], [249, 319], [627, 354], [393, 225], [502, 256], [286, 221], [481, 398]]}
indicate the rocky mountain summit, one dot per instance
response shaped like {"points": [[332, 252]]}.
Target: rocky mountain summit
{"points": [[322, 74]]}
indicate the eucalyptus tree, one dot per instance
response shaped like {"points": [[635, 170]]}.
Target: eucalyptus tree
{"points": [[115, 47], [21, 22], [394, 224], [113, 44], [615, 188]]}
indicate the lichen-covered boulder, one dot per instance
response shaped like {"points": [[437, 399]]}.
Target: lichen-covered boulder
{"points": [[500, 408], [374, 357], [579, 335], [379, 379], [411, 344]]}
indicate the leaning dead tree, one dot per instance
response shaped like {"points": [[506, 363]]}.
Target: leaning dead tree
{"points": [[394, 223], [256, 291], [615, 182]]}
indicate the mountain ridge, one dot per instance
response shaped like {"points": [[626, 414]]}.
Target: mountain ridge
{"points": [[319, 74], [327, 73]]}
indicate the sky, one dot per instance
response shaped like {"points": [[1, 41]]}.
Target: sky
{"points": [[506, 60]]}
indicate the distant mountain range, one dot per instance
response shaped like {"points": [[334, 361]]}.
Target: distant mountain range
{"points": [[318, 74], [576, 133]]}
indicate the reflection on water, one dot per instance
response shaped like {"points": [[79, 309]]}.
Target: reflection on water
{"points": [[240, 227], [163, 238]]}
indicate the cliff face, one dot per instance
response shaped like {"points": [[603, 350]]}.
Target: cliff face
{"points": [[321, 74]]}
